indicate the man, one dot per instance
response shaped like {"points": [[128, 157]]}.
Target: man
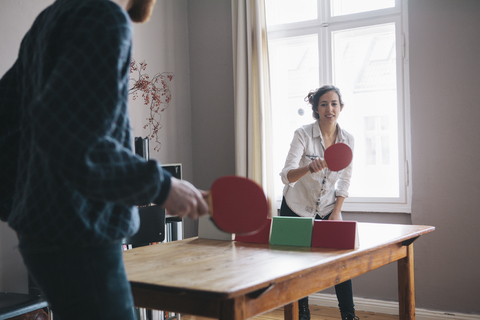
{"points": [[69, 180]]}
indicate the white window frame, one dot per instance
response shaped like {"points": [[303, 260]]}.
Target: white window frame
{"points": [[327, 25]]}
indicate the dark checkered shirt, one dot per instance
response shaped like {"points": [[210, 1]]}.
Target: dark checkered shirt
{"points": [[68, 173]]}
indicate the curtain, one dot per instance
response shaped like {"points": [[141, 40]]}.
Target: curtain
{"points": [[253, 156]]}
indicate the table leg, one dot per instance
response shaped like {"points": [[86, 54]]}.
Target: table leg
{"points": [[406, 286], [233, 309], [290, 311]]}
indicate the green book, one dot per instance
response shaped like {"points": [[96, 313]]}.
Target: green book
{"points": [[291, 231]]}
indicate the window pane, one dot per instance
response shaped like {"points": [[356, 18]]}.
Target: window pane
{"points": [[343, 7], [364, 69], [288, 11], [293, 72]]}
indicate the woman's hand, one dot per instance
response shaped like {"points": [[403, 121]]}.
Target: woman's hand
{"points": [[316, 165], [337, 210], [336, 216]]}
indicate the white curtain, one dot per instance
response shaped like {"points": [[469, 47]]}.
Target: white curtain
{"points": [[253, 156]]}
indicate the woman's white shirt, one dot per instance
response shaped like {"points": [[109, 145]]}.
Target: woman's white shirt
{"points": [[314, 193]]}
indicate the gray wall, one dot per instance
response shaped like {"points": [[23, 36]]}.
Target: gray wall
{"points": [[211, 93], [211, 78], [444, 84]]}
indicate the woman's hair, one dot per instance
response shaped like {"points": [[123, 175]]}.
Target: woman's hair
{"points": [[314, 96]]}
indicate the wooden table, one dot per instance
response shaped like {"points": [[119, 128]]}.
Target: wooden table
{"points": [[235, 280]]}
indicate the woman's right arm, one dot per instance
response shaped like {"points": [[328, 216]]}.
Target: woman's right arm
{"points": [[295, 174], [315, 166], [292, 171]]}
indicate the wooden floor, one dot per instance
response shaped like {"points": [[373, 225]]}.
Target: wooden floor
{"points": [[316, 313]]}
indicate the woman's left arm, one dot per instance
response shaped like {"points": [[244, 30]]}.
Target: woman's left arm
{"points": [[341, 192], [337, 210]]}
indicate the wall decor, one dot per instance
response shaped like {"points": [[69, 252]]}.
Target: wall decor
{"points": [[155, 93]]}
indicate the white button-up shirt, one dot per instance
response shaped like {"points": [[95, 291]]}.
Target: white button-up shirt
{"points": [[314, 193]]}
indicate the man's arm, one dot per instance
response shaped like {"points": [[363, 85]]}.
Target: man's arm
{"points": [[79, 115], [186, 200]]}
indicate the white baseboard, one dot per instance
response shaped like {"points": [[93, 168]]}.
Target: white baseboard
{"points": [[387, 307]]}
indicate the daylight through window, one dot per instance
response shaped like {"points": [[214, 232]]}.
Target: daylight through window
{"points": [[359, 46]]}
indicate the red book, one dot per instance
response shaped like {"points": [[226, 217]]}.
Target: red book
{"points": [[335, 234], [262, 236]]}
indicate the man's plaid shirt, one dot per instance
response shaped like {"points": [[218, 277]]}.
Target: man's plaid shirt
{"points": [[68, 173]]}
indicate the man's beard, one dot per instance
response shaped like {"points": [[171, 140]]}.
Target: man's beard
{"points": [[141, 10]]}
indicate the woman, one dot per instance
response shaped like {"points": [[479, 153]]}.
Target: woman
{"points": [[311, 189]]}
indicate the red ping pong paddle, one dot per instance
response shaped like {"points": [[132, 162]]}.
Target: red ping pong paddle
{"points": [[238, 205], [338, 156]]}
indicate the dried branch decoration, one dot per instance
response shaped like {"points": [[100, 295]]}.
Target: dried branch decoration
{"points": [[155, 93]]}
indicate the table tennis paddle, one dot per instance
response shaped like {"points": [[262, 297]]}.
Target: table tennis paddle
{"points": [[338, 156], [238, 205]]}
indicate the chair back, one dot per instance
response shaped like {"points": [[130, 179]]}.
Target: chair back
{"points": [[152, 227]]}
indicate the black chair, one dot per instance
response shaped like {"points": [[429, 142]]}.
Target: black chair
{"points": [[18, 305], [152, 227]]}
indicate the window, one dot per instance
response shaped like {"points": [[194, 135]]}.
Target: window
{"points": [[359, 46]]}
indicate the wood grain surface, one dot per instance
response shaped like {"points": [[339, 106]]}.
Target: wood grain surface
{"points": [[213, 278]]}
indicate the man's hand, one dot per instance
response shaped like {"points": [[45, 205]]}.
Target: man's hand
{"points": [[185, 200]]}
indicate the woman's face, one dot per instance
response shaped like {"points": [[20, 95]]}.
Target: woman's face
{"points": [[329, 108]]}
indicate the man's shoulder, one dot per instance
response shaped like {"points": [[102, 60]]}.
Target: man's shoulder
{"points": [[90, 12], [102, 11]]}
